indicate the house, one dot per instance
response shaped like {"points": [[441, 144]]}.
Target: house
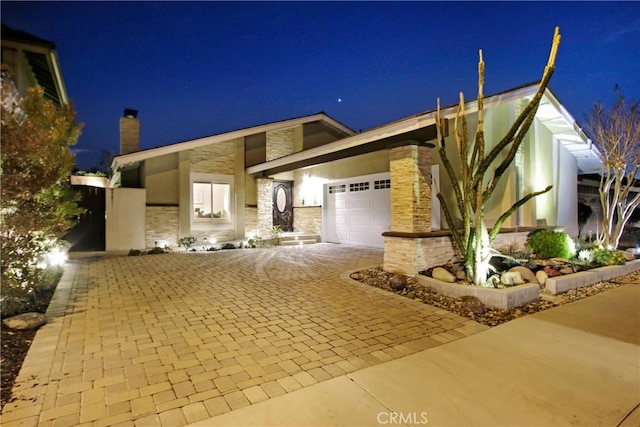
{"points": [[312, 174], [29, 61]]}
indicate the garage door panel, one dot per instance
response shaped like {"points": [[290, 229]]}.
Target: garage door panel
{"points": [[359, 220], [341, 220], [340, 203], [359, 203], [359, 215], [378, 221]]}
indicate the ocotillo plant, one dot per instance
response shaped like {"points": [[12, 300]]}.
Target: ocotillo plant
{"points": [[472, 184]]}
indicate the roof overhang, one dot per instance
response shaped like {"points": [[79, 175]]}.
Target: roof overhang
{"points": [[43, 60], [131, 159], [421, 127], [568, 132]]}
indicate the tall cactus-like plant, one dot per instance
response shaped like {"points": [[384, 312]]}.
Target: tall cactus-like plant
{"points": [[480, 173]]}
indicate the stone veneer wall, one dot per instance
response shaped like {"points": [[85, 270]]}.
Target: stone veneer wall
{"points": [[217, 158], [161, 224], [219, 236], [308, 219], [265, 210], [412, 255], [280, 143], [410, 170], [250, 219]]}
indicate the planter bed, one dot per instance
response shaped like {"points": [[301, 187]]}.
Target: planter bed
{"points": [[504, 299], [561, 284]]}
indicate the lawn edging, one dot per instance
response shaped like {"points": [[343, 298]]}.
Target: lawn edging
{"points": [[504, 298], [560, 284]]}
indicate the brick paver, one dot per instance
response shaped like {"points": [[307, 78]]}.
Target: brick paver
{"points": [[177, 338]]}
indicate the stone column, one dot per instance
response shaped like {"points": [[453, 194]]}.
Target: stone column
{"points": [[410, 167], [265, 209]]}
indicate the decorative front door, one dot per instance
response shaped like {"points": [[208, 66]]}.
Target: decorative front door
{"points": [[283, 205]]}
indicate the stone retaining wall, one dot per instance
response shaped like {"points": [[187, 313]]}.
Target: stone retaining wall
{"points": [[413, 254]]}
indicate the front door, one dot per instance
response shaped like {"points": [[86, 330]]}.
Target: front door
{"points": [[283, 205]]}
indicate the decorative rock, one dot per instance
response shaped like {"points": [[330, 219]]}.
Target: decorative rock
{"points": [[526, 274], [25, 321], [442, 274], [566, 270], [551, 272], [542, 277], [397, 282], [628, 256], [472, 304], [511, 278], [461, 275], [494, 280]]}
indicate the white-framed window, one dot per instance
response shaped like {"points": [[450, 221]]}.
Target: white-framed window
{"points": [[211, 198]]}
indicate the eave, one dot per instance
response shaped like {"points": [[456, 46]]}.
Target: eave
{"points": [[139, 156]]}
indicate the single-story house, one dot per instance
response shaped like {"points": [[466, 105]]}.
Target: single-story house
{"points": [[313, 174]]}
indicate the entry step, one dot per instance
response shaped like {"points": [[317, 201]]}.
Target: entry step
{"points": [[292, 239]]}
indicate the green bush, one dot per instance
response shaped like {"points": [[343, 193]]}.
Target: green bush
{"points": [[552, 244], [135, 252], [228, 246], [187, 241], [156, 250], [608, 257]]}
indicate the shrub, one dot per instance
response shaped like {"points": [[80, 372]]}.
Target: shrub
{"points": [[552, 244], [135, 252], [228, 246], [156, 250], [608, 257], [187, 241]]}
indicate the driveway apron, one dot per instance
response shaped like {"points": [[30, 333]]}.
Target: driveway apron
{"points": [[178, 338]]}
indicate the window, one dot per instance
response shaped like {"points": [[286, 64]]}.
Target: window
{"points": [[337, 188], [211, 202], [381, 184], [360, 186]]}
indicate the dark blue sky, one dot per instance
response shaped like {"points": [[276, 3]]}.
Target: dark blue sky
{"points": [[201, 68]]}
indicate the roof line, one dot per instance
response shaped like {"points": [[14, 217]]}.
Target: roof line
{"points": [[141, 155], [397, 127]]}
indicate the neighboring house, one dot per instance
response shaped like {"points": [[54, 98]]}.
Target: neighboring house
{"points": [[29, 61], [313, 174]]}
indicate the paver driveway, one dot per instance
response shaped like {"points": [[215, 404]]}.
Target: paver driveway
{"points": [[177, 338]]}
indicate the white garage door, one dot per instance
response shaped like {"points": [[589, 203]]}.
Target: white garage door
{"points": [[357, 211]]}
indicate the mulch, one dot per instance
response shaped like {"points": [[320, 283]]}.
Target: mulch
{"points": [[15, 345]]}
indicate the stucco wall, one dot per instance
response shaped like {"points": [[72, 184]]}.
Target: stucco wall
{"points": [[125, 225], [365, 164], [161, 179]]}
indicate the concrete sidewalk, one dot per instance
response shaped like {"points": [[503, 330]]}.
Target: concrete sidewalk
{"points": [[577, 364]]}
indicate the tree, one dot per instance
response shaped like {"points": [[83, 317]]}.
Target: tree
{"points": [[37, 204], [616, 132], [472, 185]]}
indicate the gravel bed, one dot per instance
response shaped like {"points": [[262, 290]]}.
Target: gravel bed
{"points": [[492, 317]]}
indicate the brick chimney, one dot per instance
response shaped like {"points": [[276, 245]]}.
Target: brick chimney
{"points": [[129, 132]]}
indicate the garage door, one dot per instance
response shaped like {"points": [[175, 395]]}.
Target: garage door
{"points": [[358, 210]]}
